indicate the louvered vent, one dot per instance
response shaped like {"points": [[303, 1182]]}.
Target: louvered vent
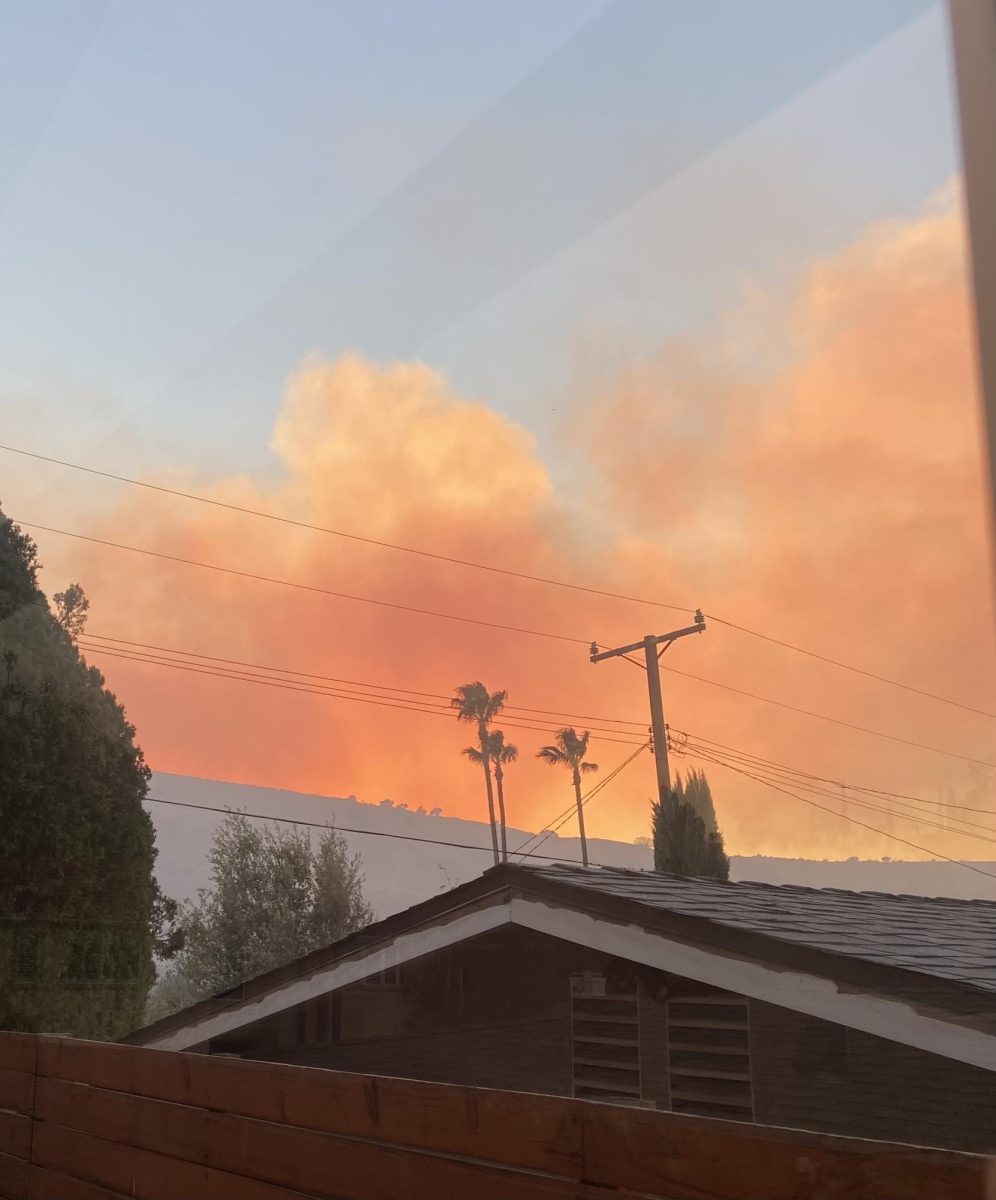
{"points": [[709, 1055], [605, 1033]]}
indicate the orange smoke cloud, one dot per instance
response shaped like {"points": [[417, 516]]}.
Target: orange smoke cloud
{"points": [[831, 496]]}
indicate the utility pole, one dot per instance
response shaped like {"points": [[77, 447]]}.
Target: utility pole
{"points": [[651, 664]]}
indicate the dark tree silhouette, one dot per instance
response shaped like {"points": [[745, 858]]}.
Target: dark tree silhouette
{"points": [[476, 705], [687, 840], [569, 751], [81, 915]]}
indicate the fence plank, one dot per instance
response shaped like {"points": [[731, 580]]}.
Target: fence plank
{"points": [[542, 1133], [157, 1125], [326, 1165], [13, 1178], [142, 1174], [686, 1157], [17, 1051], [15, 1134], [16, 1090], [53, 1185]]}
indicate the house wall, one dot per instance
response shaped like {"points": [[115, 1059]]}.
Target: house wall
{"points": [[496, 1012], [527, 1056], [811, 1074], [460, 1016]]}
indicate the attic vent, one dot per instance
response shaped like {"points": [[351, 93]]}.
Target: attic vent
{"points": [[605, 1039], [709, 1055]]}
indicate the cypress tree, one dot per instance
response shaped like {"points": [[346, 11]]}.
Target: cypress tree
{"points": [[81, 915], [687, 840]]}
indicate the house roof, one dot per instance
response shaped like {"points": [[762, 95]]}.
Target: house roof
{"points": [[942, 938], [937, 952]]}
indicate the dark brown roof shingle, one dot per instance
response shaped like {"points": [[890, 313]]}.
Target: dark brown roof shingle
{"points": [[948, 939]]}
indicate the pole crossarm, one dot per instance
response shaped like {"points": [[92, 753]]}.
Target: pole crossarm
{"points": [[651, 657], [597, 655]]}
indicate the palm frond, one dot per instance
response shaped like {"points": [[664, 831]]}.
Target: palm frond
{"points": [[499, 750], [473, 702], [473, 754], [554, 755], [570, 748], [587, 768]]}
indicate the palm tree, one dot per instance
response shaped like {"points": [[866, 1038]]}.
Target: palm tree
{"points": [[475, 704], [501, 753], [569, 751]]}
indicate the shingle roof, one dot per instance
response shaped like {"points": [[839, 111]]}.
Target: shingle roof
{"points": [[946, 939]]}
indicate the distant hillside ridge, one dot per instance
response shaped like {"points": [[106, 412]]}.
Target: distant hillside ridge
{"points": [[401, 872]]}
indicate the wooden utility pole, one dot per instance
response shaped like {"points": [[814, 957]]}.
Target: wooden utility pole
{"points": [[652, 657]]}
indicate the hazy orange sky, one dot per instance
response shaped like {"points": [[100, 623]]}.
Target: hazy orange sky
{"points": [[808, 465]]}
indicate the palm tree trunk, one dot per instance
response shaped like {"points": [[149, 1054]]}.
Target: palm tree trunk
{"points": [[499, 778], [577, 794], [491, 808]]}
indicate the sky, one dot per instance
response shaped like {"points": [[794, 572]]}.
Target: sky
{"points": [[663, 298]]}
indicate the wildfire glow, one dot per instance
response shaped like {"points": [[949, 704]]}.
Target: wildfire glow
{"points": [[829, 492]]}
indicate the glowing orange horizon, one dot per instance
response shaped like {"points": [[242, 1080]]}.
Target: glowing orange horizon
{"points": [[834, 497]]}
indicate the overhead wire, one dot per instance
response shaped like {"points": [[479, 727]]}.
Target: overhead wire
{"points": [[854, 821], [307, 587], [342, 533], [401, 837], [806, 712], [845, 666], [510, 629], [693, 752], [214, 658], [836, 782], [426, 700], [916, 818], [558, 822], [673, 670], [895, 805], [403, 703], [490, 567], [398, 702]]}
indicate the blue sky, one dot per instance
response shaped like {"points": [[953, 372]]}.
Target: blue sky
{"points": [[194, 196]]}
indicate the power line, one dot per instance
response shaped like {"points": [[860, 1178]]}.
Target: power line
{"points": [[916, 818], [338, 679], [479, 566], [307, 587], [555, 713], [854, 821], [890, 808], [756, 761], [342, 533], [496, 625], [892, 737], [834, 662], [411, 706], [401, 837], [826, 787], [836, 782], [399, 702], [558, 822]]}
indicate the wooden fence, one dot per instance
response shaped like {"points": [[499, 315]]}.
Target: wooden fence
{"points": [[91, 1121]]}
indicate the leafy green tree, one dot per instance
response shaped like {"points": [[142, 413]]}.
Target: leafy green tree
{"points": [[501, 754], [477, 706], [272, 898], [81, 915], [569, 751], [687, 840]]}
